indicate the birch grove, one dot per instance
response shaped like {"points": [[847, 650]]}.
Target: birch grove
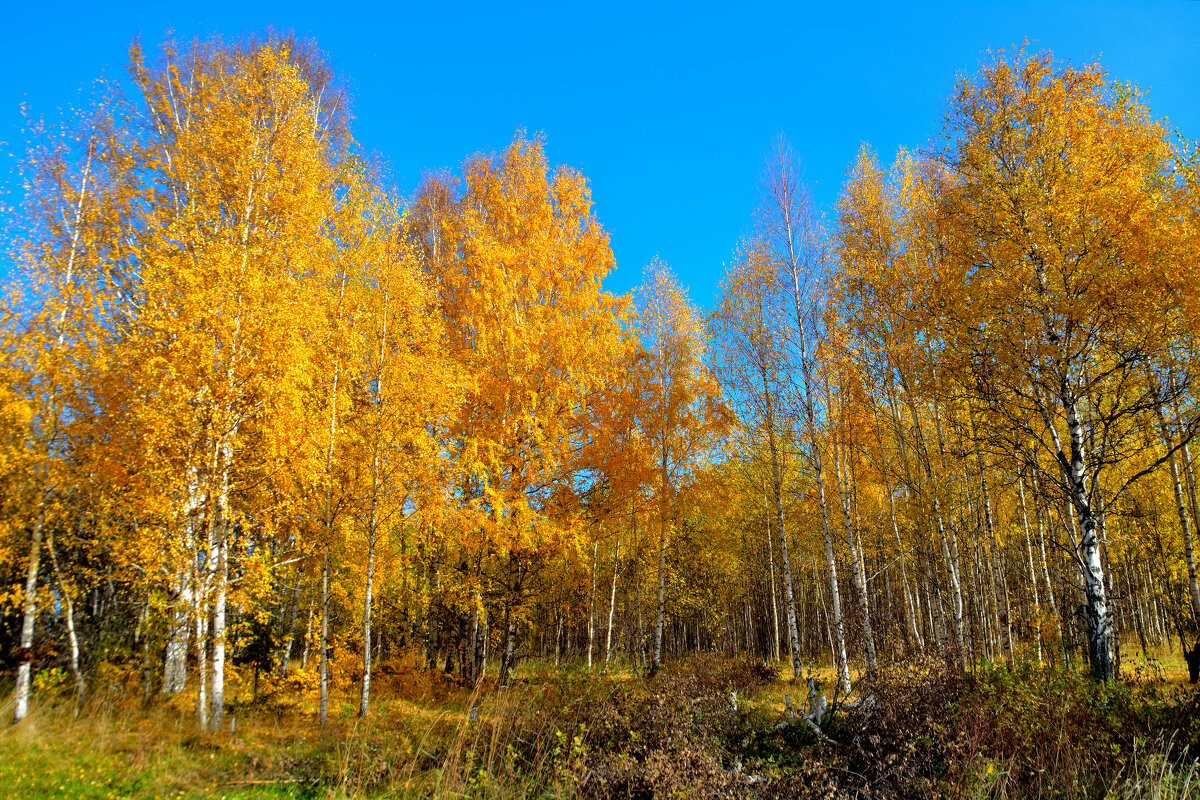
{"points": [[268, 425]]}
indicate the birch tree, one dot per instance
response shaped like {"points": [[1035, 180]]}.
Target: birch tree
{"points": [[1059, 193], [748, 327]]}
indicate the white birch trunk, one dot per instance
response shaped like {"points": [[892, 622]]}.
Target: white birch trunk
{"points": [[997, 568], [1033, 579], [950, 551], [1041, 528], [307, 638], [175, 657], [510, 644], [1188, 547], [819, 467], [912, 614], [856, 560], [373, 522], [330, 523], [28, 619], [612, 601], [285, 654], [220, 555], [771, 570], [72, 639], [365, 699], [1099, 619], [661, 614], [592, 605], [911, 602], [29, 601], [201, 613], [789, 597], [323, 711]]}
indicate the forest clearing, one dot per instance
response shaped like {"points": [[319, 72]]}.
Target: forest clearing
{"points": [[310, 488]]}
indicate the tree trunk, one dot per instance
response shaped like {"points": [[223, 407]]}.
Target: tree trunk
{"points": [[1180, 508], [365, 700], [323, 712], [202, 582], [1099, 619], [911, 613], [221, 587], [640, 651], [612, 602], [470, 664], [558, 629], [1188, 546], [29, 601], [857, 568], [839, 626], [1033, 580], [818, 464], [1042, 516], [373, 520], [28, 619], [951, 557], [592, 604], [789, 597], [478, 638], [510, 638], [661, 613], [73, 640], [201, 661], [996, 560], [432, 643], [307, 638], [949, 549], [330, 520], [771, 571], [175, 657], [1100, 633], [285, 655]]}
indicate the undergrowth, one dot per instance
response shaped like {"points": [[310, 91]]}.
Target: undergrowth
{"points": [[918, 731]]}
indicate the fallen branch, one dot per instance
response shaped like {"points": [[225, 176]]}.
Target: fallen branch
{"points": [[811, 720], [820, 734]]}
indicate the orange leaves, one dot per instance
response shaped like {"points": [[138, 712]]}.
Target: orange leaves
{"points": [[517, 260], [521, 294], [682, 410], [1044, 216], [1059, 193]]}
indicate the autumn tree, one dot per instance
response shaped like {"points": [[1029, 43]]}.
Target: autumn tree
{"points": [[791, 230], [518, 258], [1059, 277], [402, 392], [55, 333], [682, 403], [238, 161], [750, 328]]}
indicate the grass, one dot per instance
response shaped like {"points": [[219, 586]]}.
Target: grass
{"points": [[1025, 732]]}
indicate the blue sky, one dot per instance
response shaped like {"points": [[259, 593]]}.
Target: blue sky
{"points": [[668, 109]]}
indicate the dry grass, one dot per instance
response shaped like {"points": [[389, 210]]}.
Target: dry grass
{"points": [[563, 733]]}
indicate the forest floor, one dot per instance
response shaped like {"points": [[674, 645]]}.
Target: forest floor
{"points": [[1021, 731]]}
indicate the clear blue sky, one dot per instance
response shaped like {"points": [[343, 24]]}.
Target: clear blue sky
{"points": [[668, 109]]}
